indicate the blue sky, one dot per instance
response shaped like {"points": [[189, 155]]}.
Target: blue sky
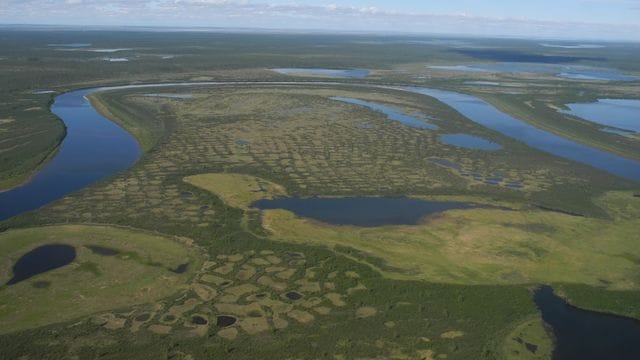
{"points": [[579, 19]]}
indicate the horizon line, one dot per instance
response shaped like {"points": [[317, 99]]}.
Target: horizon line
{"points": [[298, 31]]}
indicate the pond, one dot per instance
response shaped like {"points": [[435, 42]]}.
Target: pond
{"points": [[585, 335], [621, 114], [469, 142], [485, 114], [344, 73], [391, 113], [40, 260], [170, 96], [101, 250], [71, 45], [362, 211], [225, 320]]}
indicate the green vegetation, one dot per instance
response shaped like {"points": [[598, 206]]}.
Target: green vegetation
{"points": [[140, 273], [528, 341], [544, 113], [455, 286], [480, 246], [237, 190]]}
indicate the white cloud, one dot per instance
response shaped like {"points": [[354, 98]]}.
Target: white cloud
{"points": [[334, 17]]}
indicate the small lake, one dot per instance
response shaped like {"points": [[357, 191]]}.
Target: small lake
{"points": [[362, 211], [344, 73], [170, 96], [576, 72], [40, 260], [485, 114], [586, 335], [469, 142], [71, 45], [107, 59], [482, 83], [573, 46], [621, 114], [391, 113]]}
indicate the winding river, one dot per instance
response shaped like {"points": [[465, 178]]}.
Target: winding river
{"points": [[96, 148], [93, 149]]}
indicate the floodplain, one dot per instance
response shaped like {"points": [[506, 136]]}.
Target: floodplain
{"points": [[174, 260]]}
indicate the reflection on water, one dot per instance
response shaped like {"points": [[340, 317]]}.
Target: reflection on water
{"points": [[469, 142], [392, 114], [586, 335], [40, 260], [345, 73], [362, 211], [564, 71], [620, 114], [485, 114]]}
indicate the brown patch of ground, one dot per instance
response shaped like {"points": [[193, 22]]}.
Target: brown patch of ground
{"points": [[453, 334], [204, 292], [301, 316], [228, 333], [336, 299], [365, 312], [159, 329], [254, 325]]}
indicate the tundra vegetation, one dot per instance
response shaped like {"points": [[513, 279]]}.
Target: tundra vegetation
{"points": [[172, 260]]}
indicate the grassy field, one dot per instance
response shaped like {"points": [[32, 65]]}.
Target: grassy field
{"points": [[528, 341], [479, 246], [140, 273]]}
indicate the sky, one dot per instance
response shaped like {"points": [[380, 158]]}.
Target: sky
{"points": [[562, 19]]}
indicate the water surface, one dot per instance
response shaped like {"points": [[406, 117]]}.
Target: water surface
{"points": [[40, 260], [101, 250], [93, 149], [586, 335], [574, 46], [362, 211], [622, 114], [576, 72], [391, 113], [469, 142], [345, 73], [488, 116], [71, 45], [170, 96]]}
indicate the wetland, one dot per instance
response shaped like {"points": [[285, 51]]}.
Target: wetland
{"points": [[377, 239], [362, 211]]}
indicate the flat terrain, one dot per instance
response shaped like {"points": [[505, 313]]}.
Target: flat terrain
{"points": [[457, 285], [480, 246], [139, 272]]}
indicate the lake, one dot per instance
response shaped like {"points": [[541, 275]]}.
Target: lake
{"points": [[40, 260], [621, 114], [469, 142], [344, 73], [586, 335], [362, 211], [575, 72]]}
